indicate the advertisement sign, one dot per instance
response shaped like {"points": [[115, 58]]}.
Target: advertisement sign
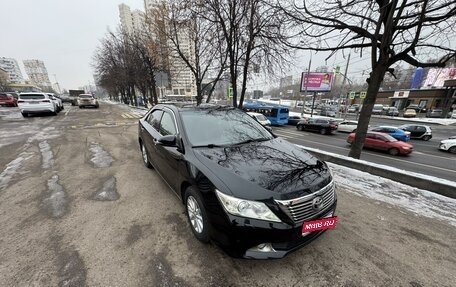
{"points": [[437, 76], [401, 94], [316, 82]]}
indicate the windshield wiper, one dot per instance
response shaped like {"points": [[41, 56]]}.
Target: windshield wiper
{"points": [[208, 146], [252, 141]]}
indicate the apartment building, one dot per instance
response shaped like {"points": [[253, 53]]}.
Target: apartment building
{"points": [[11, 67], [37, 73]]}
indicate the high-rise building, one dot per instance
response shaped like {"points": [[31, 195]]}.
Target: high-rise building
{"points": [[37, 73], [131, 21], [183, 81], [12, 69]]}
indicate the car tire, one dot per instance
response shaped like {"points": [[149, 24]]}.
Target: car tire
{"points": [[80, 107], [25, 115], [300, 127], [145, 156], [452, 149], [323, 131], [393, 151], [196, 214], [426, 138]]}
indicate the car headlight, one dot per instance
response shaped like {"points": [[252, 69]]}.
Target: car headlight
{"points": [[246, 208]]}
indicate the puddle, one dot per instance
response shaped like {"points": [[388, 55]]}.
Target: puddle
{"points": [[12, 168], [46, 155], [56, 201], [108, 192], [100, 157]]}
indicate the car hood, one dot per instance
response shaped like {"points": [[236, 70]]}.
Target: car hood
{"points": [[274, 168], [449, 141]]}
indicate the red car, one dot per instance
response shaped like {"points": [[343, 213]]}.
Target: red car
{"points": [[385, 142], [7, 100]]}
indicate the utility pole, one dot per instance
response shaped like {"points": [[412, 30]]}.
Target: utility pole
{"points": [[343, 86], [305, 88], [57, 84]]}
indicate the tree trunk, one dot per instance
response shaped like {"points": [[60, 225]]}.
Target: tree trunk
{"points": [[199, 96], [375, 80]]}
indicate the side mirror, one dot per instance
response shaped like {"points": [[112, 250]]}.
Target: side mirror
{"points": [[169, 140]]}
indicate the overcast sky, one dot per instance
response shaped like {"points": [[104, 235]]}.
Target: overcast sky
{"points": [[65, 33], [62, 33]]}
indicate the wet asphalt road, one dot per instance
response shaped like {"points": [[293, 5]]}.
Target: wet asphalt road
{"points": [[78, 208]]}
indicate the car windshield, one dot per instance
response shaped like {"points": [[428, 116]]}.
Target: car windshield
{"points": [[261, 118], [32, 97], [221, 127]]}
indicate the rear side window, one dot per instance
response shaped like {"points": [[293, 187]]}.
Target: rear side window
{"points": [[32, 97], [154, 119]]}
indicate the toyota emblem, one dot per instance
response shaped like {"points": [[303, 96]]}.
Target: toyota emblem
{"points": [[316, 203]]}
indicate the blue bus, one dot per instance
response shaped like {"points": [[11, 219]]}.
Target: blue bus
{"points": [[277, 115]]}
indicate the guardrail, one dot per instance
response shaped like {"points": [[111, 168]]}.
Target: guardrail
{"points": [[441, 186]]}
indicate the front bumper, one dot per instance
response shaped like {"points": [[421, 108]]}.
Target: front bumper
{"points": [[239, 236]]}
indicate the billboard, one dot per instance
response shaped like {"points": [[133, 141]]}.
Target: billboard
{"points": [[316, 82], [437, 76]]}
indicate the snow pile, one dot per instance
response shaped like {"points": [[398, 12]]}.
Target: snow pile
{"points": [[46, 155], [11, 168], [100, 157]]}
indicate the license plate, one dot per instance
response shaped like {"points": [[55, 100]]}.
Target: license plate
{"points": [[319, 224], [34, 102]]}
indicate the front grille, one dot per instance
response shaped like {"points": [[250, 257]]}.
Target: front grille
{"points": [[300, 209]]}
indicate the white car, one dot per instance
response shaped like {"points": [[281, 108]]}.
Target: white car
{"points": [[57, 101], [448, 145], [347, 126], [36, 103], [87, 100], [260, 118]]}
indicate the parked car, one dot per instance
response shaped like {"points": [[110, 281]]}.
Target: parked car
{"points": [[395, 132], [352, 109], [409, 113], [418, 131], [252, 193], [36, 103], [7, 99], [328, 113], [377, 109], [448, 145], [452, 115], [347, 126], [294, 120], [417, 108], [392, 111], [65, 98], [87, 100], [384, 142], [434, 113], [260, 118], [323, 126], [57, 101]]}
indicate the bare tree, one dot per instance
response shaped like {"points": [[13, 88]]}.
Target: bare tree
{"points": [[392, 31], [253, 31], [194, 41]]}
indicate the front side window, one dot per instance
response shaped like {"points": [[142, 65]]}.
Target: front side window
{"points": [[167, 126], [154, 119]]}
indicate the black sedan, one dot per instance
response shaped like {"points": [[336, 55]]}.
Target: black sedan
{"points": [[253, 194], [323, 126]]}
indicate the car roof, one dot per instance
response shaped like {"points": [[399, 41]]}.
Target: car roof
{"points": [[33, 93]]}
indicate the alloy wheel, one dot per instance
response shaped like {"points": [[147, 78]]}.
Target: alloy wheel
{"points": [[194, 213]]}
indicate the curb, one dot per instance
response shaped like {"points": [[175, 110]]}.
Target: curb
{"points": [[421, 181]]}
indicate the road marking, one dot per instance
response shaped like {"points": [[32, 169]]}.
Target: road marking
{"points": [[374, 154], [437, 156], [131, 115]]}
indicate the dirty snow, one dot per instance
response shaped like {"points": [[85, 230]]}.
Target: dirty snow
{"points": [[55, 201], [44, 134], [421, 202], [46, 155], [108, 192], [11, 169], [100, 157]]}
